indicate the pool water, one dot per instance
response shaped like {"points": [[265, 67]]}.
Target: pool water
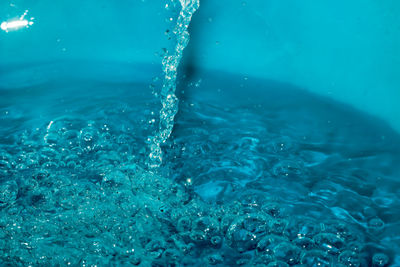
{"points": [[255, 173]]}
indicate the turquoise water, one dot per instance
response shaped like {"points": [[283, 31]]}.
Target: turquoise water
{"points": [[255, 173], [113, 152]]}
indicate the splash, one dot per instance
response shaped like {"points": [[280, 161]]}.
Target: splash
{"points": [[170, 65], [16, 24]]}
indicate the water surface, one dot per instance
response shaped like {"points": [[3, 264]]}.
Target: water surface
{"points": [[255, 172]]}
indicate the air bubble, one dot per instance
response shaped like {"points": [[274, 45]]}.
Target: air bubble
{"points": [[198, 237], [281, 144], [184, 224], [288, 168], [376, 223], [273, 209], [268, 243], [349, 258], [216, 241], [207, 225], [88, 138], [241, 239], [304, 227], [329, 242], [380, 260], [51, 139], [215, 259], [244, 233], [316, 258], [304, 243], [288, 253], [277, 226], [8, 193], [135, 260], [172, 256]]}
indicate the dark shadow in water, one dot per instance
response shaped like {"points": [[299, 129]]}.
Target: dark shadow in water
{"points": [[198, 24]]}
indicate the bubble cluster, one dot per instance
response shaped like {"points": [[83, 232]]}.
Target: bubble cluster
{"points": [[73, 200], [234, 191], [322, 218]]}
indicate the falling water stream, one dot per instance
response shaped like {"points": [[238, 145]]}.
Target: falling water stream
{"points": [[170, 65]]}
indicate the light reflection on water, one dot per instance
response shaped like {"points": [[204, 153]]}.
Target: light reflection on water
{"points": [[17, 23]]}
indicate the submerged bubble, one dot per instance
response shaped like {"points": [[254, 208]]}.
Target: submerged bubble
{"points": [[305, 227], [277, 226], [216, 241], [244, 233], [376, 223], [273, 209], [316, 258], [184, 224], [304, 243], [8, 192], [329, 242], [380, 260], [155, 248], [215, 259], [207, 225], [287, 252], [268, 243], [172, 256], [288, 168], [88, 138], [349, 258]]}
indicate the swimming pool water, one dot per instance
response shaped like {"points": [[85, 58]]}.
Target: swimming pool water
{"points": [[255, 173]]}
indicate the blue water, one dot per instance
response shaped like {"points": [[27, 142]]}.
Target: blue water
{"points": [[255, 173]]}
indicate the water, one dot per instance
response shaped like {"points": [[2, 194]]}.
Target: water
{"points": [[170, 64], [254, 172]]}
